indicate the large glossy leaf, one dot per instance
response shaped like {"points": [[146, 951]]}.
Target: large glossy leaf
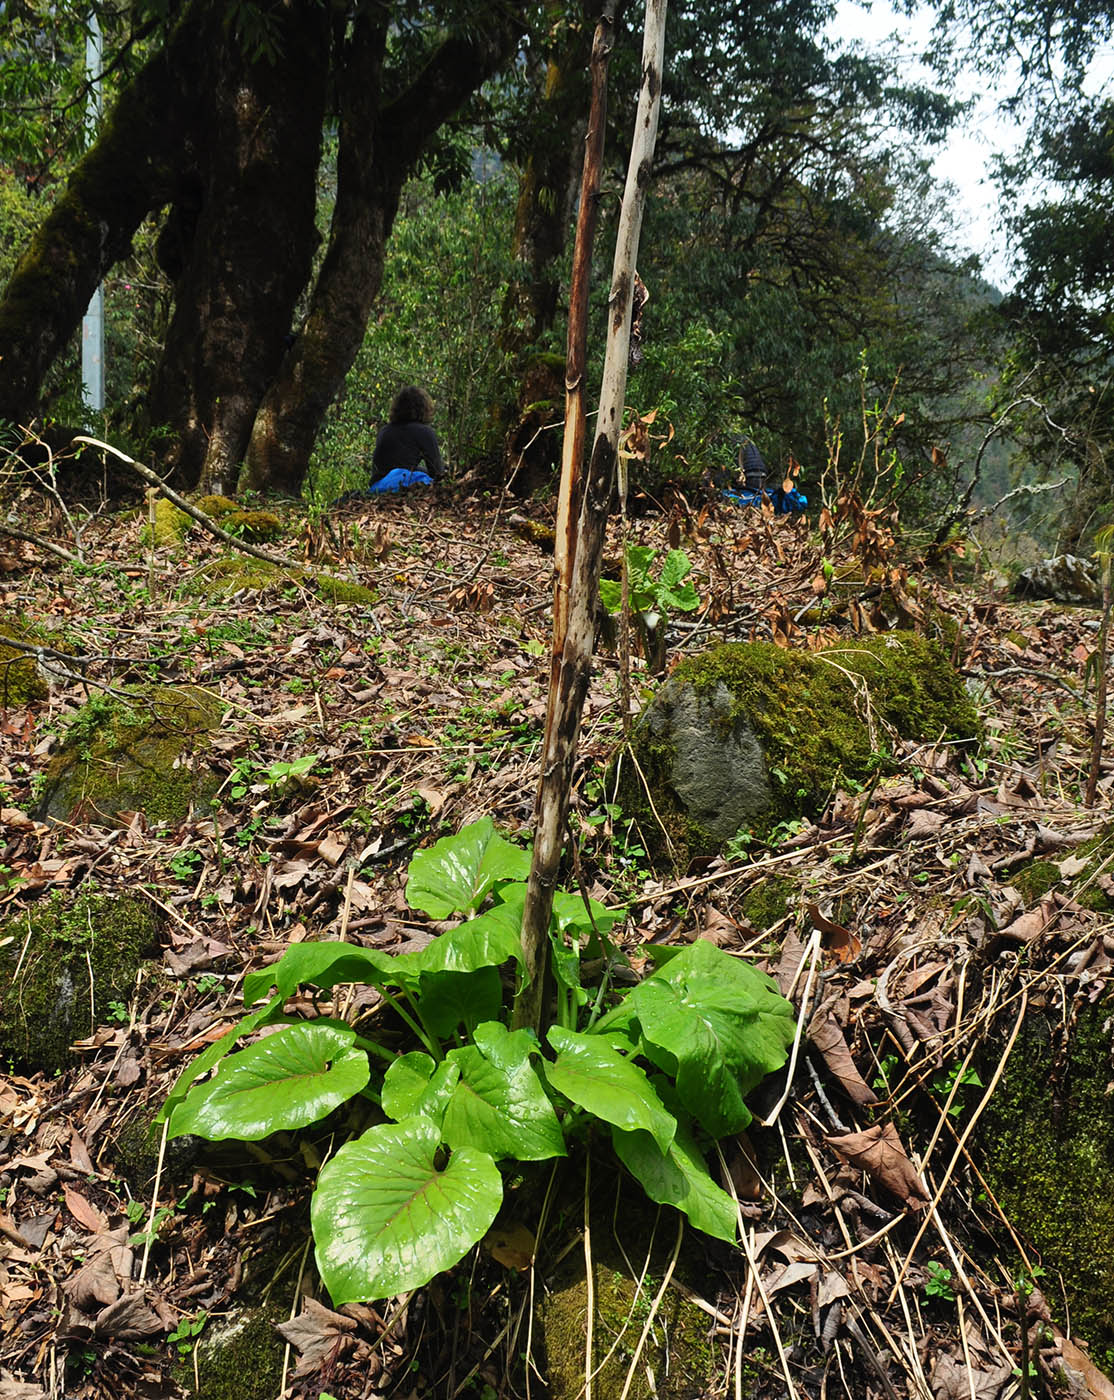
{"points": [[674, 593], [719, 1026], [213, 1054], [323, 964], [594, 1075], [452, 999], [386, 1217], [415, 1084], [678, 1177], [291, 1079], [456, 874], [569, 912], [489, 940], [499, 1104]]}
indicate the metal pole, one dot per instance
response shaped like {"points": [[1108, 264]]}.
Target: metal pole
{"points": [[92, 325]]}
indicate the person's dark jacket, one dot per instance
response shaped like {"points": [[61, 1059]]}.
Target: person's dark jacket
{"points": [[411, 446]]}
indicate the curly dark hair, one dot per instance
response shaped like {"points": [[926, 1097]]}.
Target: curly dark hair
{"points": [[412, 405]]}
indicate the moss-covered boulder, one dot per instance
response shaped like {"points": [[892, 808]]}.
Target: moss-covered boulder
{"points": [[1083, 873], [747, 735], [239, 1357], [172, 524], [20, 679], [62, 963], [143, 754], [225, 577], [1046, 1149]]}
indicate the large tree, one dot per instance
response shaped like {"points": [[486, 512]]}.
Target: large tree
{"points": [[220, 127]]}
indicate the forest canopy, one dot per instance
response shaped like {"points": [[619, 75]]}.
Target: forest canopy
{"points": [[296, 208]]}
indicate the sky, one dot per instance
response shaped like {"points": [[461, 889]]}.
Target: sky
{"points": [[966, 159]]}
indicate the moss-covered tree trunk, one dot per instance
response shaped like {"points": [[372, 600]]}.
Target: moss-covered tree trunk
{"points": [[132, 169], [380, 145], [245, 245]]}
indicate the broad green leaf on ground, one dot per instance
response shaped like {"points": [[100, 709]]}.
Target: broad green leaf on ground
{"points": [[216, 1052], [323, 964], [565, 966], [386, 1217], [452, 999], [499, 1104], [673, 592], [291, 1079], [569, 913], [456, 874], [592, 1074], [489, 940], [415, 1084], [678, 1177], [716, 1024]]}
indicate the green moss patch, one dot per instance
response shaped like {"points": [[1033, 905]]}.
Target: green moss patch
{"points": [[172, 524], [138, 755], [747, 735], [61, 963], [1092, 886], [1047, 1151], [238, 1358], [239, 573], [20, 679]]}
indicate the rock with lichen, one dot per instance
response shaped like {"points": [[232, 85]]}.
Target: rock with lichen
{"points": [[144, 752], [21, 680], [1065, 578], [747, 735], [63, 962]]}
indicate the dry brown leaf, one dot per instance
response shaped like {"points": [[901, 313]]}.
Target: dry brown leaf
{"points": [[512, 1246], [314, 1333], [839, 941], [741, 1168], [1098, 1385], [792, 951], [84, 1212], [127, 1319], [827, 1036], [878, 1151], [1031, 924], [951, 1380], [923, 824]]}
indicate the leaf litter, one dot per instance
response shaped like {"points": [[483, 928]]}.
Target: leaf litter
{"points": [[423, 710]]}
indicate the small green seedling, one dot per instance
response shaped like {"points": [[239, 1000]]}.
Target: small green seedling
{"points": [[938, 1282]]}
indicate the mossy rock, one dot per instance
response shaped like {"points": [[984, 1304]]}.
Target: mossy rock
{"points": [[224, 577], [20, 680], [133, 755], [173, 524], [62, 962], [1092, 886], [1046, 1148], [749, 734], [681, 1349], [239, 1357]]}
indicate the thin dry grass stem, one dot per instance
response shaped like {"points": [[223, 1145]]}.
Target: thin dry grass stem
{"points": [[753, 1275], [811, 957], [741, 1334], [650, 799], [967, 1131], [150, 1231], [654, 1308], [912, 1354], [971, 1384], [283, 1387], [968, 1287], [589, 1280], [543, 1218]]}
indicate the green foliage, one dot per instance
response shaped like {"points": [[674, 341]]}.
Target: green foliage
{"points": [[939, 1282], [445, 340], [665, 1070], [648, 594]]}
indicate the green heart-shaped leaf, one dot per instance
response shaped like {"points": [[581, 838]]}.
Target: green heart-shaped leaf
{"points": [[323, 964], [291, 1079], [458, 872], [594, 1075], [678, 1177], [386, 1217], [415, 1084], [499, 1104], [718, 1025]]}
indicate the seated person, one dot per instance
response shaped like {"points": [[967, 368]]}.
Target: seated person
{"points": [[406, 451]]}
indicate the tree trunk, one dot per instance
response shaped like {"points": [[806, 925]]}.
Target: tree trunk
{"points": [[570, 672], [379, 147], [250, 240], [131, 170]]}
